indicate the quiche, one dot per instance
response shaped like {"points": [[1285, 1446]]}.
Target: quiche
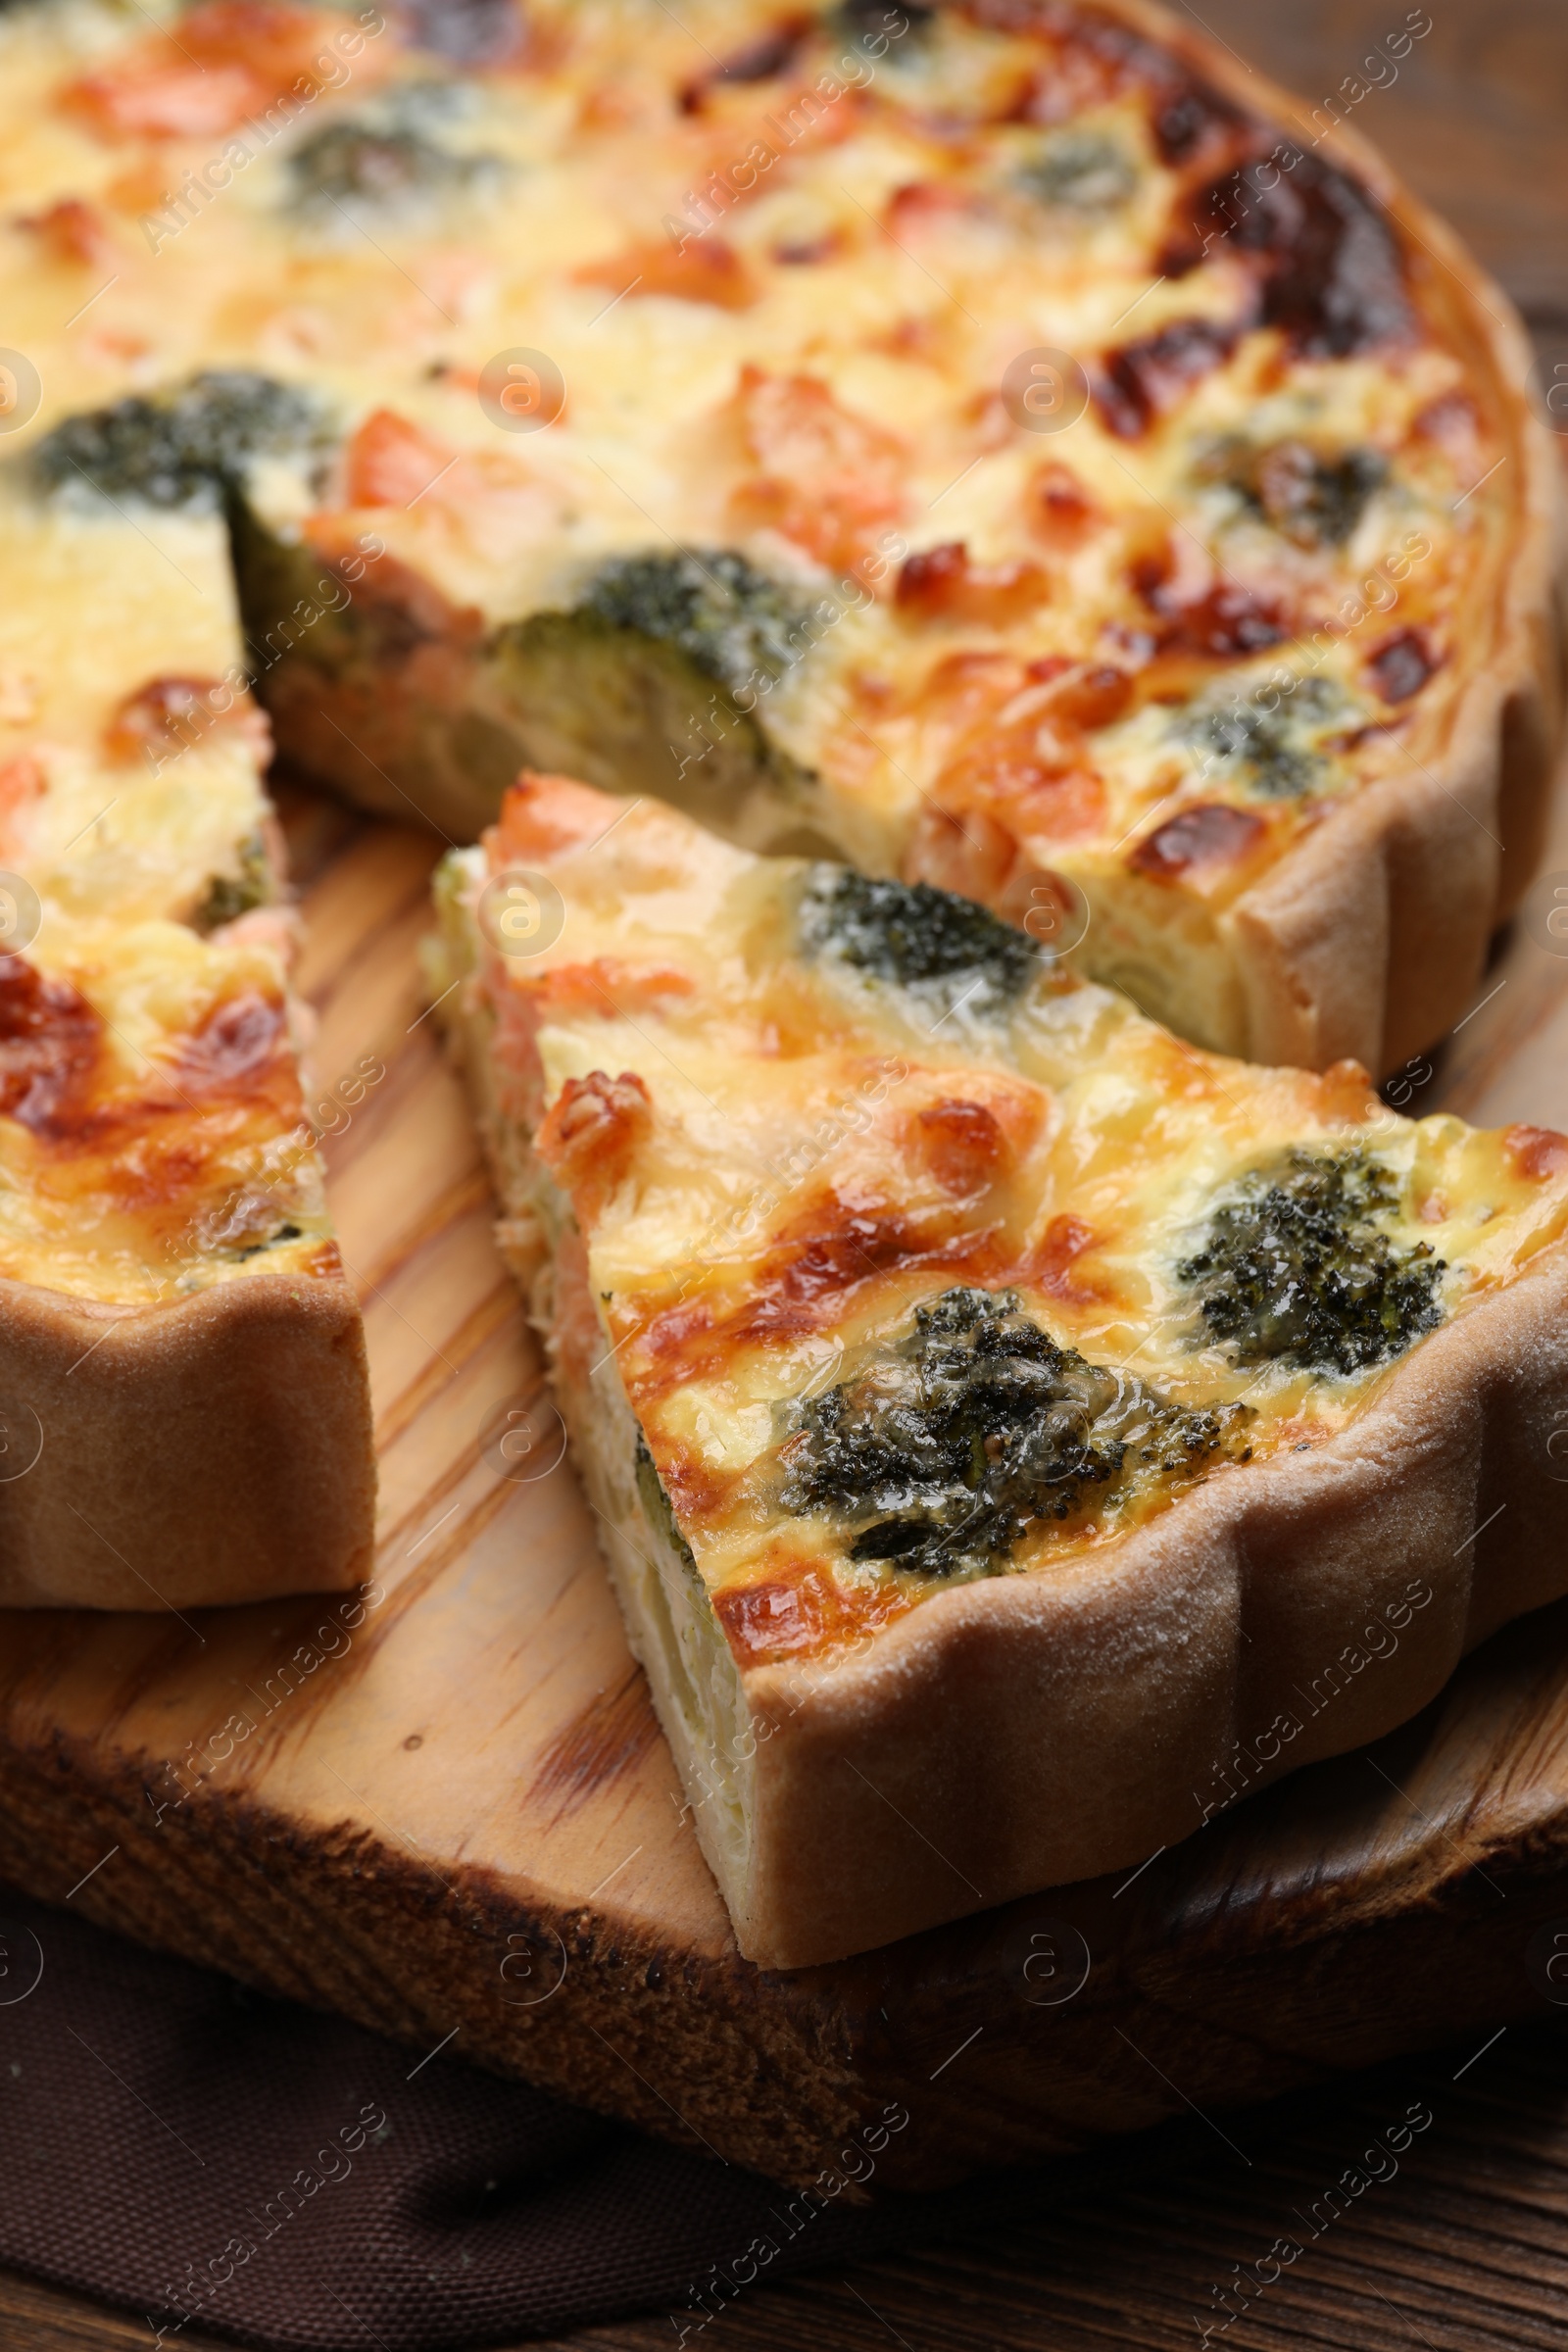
{"points": [[185, 1412], [1011, 1429], [1002, 444]]}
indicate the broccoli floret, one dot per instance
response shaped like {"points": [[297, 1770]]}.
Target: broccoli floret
{"points": [[388, 156], [1313, 497], [1270, 751], [286, 1232], [1080, 172], [1296, 1269], [898, 19], [731, 621], [657, 1510], [955, 1440], [912, 934], [229, 896], [183, 449]]}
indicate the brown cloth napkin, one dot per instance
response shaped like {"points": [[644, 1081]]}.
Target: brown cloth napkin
{"points": [[222, 2163]]}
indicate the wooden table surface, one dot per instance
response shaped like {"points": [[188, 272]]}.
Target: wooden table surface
{"points": [[1467, 2247]]}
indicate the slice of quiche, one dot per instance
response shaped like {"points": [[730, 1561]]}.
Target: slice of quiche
{"points": [[999, 1417], [1004, 440], [185, 1412]]}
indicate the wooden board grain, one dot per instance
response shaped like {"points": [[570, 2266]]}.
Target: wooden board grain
{"points": [[449, 1812]]}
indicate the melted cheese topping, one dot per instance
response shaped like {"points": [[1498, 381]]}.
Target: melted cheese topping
{"points": [[788, 275], [153, 1139], [152, 1132], [763, 1159], [130, 753]]}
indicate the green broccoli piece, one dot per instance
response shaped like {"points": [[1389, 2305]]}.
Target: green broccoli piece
{"points": [[953, 1442], [1080, 172], [657, 1510], [180, 449], [1312, 497], [229, 896], [914, 935], [895, 20], [1271, 752], [1296, 1269], [733, 622], [387, 157]]}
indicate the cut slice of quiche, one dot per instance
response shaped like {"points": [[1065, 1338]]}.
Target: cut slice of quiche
{"points": [[185, 1412], [1001, 439], [1000, 1418]]}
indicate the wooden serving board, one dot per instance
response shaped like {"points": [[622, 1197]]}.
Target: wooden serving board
{"points": [[449, 1813]]}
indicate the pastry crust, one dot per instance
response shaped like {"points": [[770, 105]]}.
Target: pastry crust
{"points": [[168, 1457], [773, 1258]]}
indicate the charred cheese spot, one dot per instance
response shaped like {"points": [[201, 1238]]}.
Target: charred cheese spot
{"points": [[1198, 843], [1401, 666], [238, 1047], [1145, 380], [799, 1609], [1062, 511], [1223, 623], [942, 583], [51, 1042], [1330, 270], [834, 1250]]}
